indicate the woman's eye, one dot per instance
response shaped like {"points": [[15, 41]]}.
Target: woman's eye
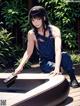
{"points": [[38, 18], [32, 19]]}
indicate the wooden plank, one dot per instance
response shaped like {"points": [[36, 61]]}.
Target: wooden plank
{"points": [[76, 103]]}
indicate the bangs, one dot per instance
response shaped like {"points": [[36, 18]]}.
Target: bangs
{"points": [[35, 14]]}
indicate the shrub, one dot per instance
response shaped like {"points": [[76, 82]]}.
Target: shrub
{"points": [[75, 58], [5, 47]]}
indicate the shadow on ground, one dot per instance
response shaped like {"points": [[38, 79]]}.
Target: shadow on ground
{"points": [[66, 102]]}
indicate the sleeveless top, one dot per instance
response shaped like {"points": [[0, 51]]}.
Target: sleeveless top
{"points": [[45, 47]]}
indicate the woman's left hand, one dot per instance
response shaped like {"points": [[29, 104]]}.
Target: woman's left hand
{"points": [[55, 72]]}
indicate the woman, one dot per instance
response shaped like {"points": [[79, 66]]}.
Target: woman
{"points": [[47, 39]]}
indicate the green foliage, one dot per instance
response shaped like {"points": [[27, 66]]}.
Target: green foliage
{"points": [[75, 58], [9, 53], [14, 12], [10, 13], [5, 47], [64, 14], [69, 38]]}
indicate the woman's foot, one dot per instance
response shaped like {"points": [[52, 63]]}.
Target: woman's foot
{"points": [[74, 83]]}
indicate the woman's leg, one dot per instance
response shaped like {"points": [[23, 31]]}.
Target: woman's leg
{"points": [[47, 66], [67, 65]]}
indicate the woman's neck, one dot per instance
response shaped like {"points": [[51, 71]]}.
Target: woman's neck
{"points": [[41, 31]]}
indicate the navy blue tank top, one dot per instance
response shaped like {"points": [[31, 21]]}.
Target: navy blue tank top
{"points": [[45, 47]]}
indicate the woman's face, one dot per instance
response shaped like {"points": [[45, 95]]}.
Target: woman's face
{"points": [[37, 22]]}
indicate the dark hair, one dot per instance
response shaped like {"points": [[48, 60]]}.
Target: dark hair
{"points": [[39, 11]]}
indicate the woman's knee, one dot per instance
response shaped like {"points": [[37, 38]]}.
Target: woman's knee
{"points": [[66, 57], [48, 67], [66, 61]]}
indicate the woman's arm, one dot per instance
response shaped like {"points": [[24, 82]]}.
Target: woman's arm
{"points": [[57, 36], [27, 54], [57, 50]]}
